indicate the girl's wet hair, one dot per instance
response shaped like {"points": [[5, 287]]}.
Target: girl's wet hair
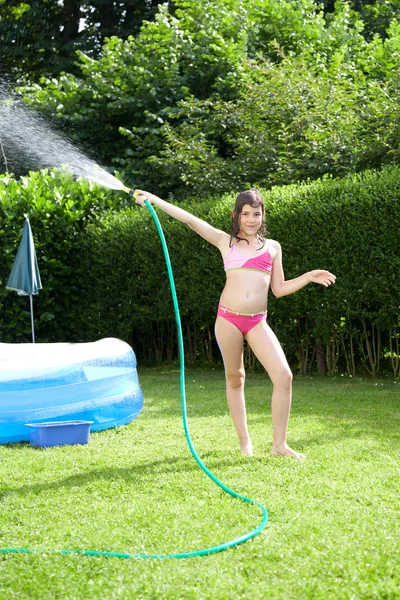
{"points": [[255, 200]]}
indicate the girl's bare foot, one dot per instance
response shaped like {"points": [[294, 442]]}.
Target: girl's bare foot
{"points": [[247, 449], [285, 450]]}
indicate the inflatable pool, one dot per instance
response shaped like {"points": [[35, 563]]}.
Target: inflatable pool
{"points": [[94, 381]]}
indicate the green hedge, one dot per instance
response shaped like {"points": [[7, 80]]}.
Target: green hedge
{"points": [[59, 210], [104, 274], [348, 226]]}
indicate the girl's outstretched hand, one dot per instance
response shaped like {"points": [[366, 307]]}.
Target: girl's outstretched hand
{"points": [[141, 196], [323, 277]]}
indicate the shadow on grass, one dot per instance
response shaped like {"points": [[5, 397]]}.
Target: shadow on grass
{"points": [[134, 473]]}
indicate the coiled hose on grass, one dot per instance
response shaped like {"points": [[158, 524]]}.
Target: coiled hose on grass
{"points": [[205, 551]]}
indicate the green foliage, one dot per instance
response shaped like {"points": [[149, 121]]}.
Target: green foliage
{"points": [[291, 24], [59, 210], [134, 81], [347, 226], [130, 297], [292, 123], [40, 38], [377, 16], [354, 224], [104, 274], [30, 37], [214, 95]]}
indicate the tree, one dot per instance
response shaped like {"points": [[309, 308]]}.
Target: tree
{"points": [[198, 49], [30, 37], [377, 15], [41, 37], [225, 93], [290, 125]]}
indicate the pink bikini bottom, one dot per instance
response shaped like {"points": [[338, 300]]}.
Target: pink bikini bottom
{"points": [[244, 322]]}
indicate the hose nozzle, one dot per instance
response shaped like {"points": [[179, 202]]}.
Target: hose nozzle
{"points": [[129, 191]]}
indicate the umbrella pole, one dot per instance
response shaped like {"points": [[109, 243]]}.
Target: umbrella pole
{"points": [[33, 327]]}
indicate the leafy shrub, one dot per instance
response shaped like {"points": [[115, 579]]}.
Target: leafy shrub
{"points": [[348, 226], [104, 274], [59, 210], [216, 94]]}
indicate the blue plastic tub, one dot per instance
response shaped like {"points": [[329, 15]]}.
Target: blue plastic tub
{"points": [[59, 433]]}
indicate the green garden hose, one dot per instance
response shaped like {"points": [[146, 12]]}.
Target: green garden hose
{"points": [[206, 551]]}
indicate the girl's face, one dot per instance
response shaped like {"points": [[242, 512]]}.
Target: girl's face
{"points": [[250, 219]]}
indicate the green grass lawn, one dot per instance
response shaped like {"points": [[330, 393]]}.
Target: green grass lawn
{"points": [[334, 519]]}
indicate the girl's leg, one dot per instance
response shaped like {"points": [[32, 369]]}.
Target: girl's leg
{"points": [[230, 342], [268, 350]]}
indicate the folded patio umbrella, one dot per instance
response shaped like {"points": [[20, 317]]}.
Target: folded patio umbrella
{"points": [[24, 277]]}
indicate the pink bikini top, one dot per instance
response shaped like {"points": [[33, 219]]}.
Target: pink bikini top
{"points": [[236, 260]]}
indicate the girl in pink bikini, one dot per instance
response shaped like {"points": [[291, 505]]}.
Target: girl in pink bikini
{"points": [[252, 263]]}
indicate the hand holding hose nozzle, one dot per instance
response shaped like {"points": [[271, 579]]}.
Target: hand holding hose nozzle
{"points": [[130, 192], [136, 194]]}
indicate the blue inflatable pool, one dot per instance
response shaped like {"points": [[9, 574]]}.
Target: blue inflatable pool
{"points": [[94, 381]]}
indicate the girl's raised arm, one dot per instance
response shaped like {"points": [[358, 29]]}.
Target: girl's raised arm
{"points": [[280, 287], [207, 231]]}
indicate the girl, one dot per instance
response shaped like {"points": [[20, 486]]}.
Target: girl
{"points": [[252, 263]]}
